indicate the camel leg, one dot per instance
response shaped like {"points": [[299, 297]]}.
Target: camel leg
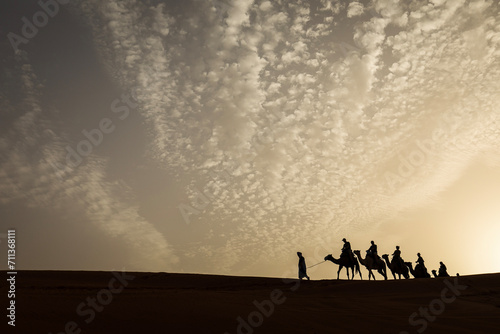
{"points": [[347, 270], [338, 272], [381, 271]]}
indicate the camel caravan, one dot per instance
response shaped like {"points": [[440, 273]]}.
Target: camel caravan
{"points": [[373, 262]]}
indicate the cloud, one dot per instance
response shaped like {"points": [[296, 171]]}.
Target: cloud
{"points": [[355, 9], [31, 150], [307, 132]]}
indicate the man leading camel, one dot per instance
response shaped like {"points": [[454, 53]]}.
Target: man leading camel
{"points": [[302, 267]]}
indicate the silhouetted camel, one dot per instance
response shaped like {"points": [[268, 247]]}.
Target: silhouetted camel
{"points": [[370, 264], [395, 268], [419, 272], [347, 263]]}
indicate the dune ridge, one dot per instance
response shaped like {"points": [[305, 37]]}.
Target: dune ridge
{"points": [[140, 302]]}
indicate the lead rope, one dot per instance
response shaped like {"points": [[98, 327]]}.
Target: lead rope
{"points": [[316, 264]]}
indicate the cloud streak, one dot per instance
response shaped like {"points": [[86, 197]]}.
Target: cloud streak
{"points": [[30, 149]]}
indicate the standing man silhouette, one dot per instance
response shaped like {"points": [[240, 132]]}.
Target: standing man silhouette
{"points": [[302, 267]]}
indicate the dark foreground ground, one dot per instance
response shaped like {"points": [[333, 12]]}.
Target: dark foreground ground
{"points": [[103, 302]]}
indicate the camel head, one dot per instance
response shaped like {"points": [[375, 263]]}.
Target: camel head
{"points": [[409, 264], [385, 256], [329, 257]]}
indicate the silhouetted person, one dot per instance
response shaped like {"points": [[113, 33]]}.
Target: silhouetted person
{"points": [[372, 251], [420, 260], [442, 270], [346, 250], [421, 266], [302, 267], [396, 257], [347, 246]]}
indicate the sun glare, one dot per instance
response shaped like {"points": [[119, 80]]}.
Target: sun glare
{"points": [[483, 247]]}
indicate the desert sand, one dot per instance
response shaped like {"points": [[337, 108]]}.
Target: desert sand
{"points": [[138, 302]]}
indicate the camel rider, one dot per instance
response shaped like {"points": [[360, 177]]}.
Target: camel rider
{"points": [[442, 270], [396, 257], [372, 251], [346, 250], [347, 246], [420, 261]]}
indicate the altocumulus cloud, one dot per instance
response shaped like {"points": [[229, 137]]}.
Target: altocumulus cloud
{"points": [[307, 129], [311, 107]]}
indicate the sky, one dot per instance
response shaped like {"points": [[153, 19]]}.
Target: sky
{"points": [[222, 136]]}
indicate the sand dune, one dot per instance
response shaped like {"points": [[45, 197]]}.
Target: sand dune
{"points": [[103, 302]]}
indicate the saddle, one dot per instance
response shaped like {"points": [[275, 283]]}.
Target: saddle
{"points": [[399, 262], [377, 258], [347, 256]]}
